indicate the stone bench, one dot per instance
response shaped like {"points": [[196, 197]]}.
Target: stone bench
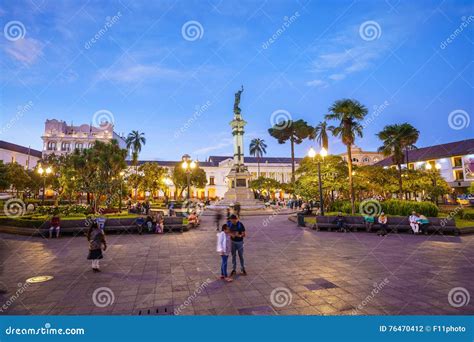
{"points": [[395, 224]]}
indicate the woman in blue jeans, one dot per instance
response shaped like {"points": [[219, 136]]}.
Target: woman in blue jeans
{"points": [[223, 248]]}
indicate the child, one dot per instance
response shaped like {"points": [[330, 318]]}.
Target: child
{"points": [[96, 238], [55, 227], [383, 224], [223, 248]]}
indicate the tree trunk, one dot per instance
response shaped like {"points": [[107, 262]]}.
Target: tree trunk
{"points": [[351, 184], [136, 184], [400, 182], [292, 142], [258, 167]]}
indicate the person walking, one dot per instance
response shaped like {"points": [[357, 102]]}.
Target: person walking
{"points": [[217, 219], [237, 231], [224, 249], [97, 243]]}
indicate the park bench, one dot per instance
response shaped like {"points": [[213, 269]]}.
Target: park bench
{"points": [[396, 224]]}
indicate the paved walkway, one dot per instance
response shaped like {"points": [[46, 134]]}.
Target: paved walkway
{"points": [[292, 271]]}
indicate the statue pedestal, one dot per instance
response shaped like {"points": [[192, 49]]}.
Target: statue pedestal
{"points": [[239, 191]]}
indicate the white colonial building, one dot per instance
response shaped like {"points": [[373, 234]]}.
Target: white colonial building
{"points": [[13, 153], [60, 138], [218, 167], [455, 162], [361, 157]]}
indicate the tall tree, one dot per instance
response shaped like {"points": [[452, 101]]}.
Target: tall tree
{"points": [[152, 179], [295, 132], [4, 181], [135, 141], [197, 179], [349, 114], [396, 139], [257, 149], [321, 134]]}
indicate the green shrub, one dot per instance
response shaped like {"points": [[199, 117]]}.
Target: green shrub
{"points": [[391, 207]]}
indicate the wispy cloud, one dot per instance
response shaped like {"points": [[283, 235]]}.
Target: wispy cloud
{"points": [[205, 150], [138, 73], [317, 83], [26, 50]]}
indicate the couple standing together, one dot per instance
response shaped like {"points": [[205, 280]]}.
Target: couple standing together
{"points": [[231, 241]]}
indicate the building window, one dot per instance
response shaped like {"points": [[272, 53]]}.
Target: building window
{"points": [[65, 146], [457, 162], [366, 159], [411, 166], [51, 146], [79, 146], [355, 160], [211, 180], [458, 175], [376, 159], [272, 175]]}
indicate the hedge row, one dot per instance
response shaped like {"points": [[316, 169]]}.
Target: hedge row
{"points": [[389, 207]]}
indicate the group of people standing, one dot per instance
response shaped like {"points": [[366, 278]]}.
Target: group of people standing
{"points": [[230, 241]]}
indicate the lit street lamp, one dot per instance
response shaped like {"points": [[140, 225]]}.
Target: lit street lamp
{"points": [[168, 182], [44, 173], [429, 167], [312, 154], [188, 167]]}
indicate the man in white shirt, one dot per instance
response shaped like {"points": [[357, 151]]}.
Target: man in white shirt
{"points": [[414, 222]]}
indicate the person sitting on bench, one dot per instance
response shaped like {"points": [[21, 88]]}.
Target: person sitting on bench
{"points": [[423, 223], [340, 222], [415, 226], [55, 228], [369, 221], [383, 224]]}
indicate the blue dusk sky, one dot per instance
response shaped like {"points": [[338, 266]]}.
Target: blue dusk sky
{"points": [[170, 69]]}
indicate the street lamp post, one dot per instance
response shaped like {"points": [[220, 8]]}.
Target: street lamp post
{"points": [[168, 182], [44, 173], [323, 153], [188, 167], [121, 191]]}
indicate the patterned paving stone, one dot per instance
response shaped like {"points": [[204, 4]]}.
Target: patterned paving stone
{"points": [[321, 273]]}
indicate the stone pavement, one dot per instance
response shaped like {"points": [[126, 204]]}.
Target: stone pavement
{"points": [[291, 271]]}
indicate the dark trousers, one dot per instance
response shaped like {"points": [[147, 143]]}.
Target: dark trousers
{"points": [[237, 247], [224, 265], [383, 229]]}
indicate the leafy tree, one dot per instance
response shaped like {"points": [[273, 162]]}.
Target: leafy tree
{"points": [[17, 177], [321, 134], [152, 179], [135, 141], [294, 132], [257, 149], [263, 184], [349, 114], [396, 140], [197, 178], [4, 181]]}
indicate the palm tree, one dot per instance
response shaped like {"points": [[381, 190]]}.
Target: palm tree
{"points": [[295, 132], [135, 141], [349, 113], [257, 149], [397, 139], [321, 134]]}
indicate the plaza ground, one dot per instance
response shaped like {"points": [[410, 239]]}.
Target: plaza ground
{"points": [[323, 273]]}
